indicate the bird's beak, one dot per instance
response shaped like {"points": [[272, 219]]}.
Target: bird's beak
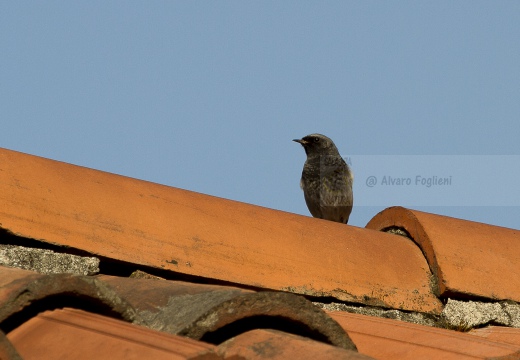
{"points": [[301, 141]]}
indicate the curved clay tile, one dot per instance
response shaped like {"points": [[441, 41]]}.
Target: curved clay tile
{"points": [[216, 313], [467, 257], [142, 223], [75, 334], [23, 294], [398, 340], [499, 333], [277, 345]]}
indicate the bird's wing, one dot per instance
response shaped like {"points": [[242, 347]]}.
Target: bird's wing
{"points": [[336, 186]]}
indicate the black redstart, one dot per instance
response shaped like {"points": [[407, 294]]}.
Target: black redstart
{"points": [[326, 179]]}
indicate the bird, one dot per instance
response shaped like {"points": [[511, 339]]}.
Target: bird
{"points": [[326, 179]]}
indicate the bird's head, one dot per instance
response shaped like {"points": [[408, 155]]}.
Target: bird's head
{"points": [[317, 144]]}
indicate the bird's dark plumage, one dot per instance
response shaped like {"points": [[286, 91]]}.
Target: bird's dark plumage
{"points": [[326, 179]]}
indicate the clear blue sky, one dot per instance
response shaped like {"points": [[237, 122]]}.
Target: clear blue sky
{"points": [[207, 95]]}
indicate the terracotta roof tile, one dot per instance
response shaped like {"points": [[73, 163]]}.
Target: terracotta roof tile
{"points": [[23, 293], [185, 232], [467, 257], [7, 350], [209, 312], [272, 344], [217, 313], [253, 250], [75, 334], [499, 333], [394, 339]]}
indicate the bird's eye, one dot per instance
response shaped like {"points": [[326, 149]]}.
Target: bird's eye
{"points": [[316, 139]]}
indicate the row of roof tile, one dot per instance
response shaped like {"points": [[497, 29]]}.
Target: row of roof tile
{"points": [[194, 234], [58, 332], [185, 235], [208, 313], [135, 221], [212, 321]]}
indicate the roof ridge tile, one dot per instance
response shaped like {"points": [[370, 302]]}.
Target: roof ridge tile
{"points": [[469, 259]]}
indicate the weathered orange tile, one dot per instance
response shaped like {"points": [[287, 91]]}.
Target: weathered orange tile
{"points": [[393, 339], [272, 344], [11, 280], [191, 233], [21, 290], [499, 333], [209, 312], [75, 334], [467, 257], [217, 313], [151, 294]]}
